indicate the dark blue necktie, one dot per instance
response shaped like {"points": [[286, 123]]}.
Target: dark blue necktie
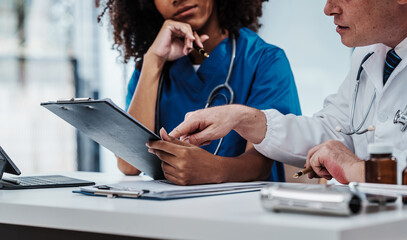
{"points": [[392, 60]]}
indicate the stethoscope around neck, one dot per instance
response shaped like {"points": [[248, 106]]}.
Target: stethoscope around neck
{"points": [[216, 91], [400, 117], [214, 94]]}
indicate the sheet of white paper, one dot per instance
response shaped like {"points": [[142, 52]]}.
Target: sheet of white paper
{"points": [[159, 186]]}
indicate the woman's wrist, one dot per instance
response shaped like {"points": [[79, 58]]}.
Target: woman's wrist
{"points": [[249, 166], [222, 174], [126, 168], [153, 62], [150, 72]]}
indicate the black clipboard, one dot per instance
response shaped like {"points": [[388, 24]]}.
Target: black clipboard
{"points": [[112, 127]]}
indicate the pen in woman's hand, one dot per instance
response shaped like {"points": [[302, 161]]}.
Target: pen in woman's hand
{"points": [[200, 50]]}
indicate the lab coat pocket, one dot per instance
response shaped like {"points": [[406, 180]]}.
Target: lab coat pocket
{"points": [[360, 142]]}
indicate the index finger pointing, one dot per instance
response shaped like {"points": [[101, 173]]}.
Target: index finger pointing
{"points": [[168, 138], [185, 128]]}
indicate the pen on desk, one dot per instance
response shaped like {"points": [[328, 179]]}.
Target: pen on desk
{"points": [[302, 172], [200, 50], [11, 180]]}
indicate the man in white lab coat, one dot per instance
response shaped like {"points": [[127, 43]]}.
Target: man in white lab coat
{"points": [[378, 26]]}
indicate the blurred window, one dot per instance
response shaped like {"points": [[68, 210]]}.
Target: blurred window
{"points": [[36, 66]]}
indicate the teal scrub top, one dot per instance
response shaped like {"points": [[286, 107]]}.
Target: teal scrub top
{"points": [[261, 78]]}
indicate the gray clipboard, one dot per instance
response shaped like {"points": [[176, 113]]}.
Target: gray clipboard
{"points": [[110, 126], [165, 190]]}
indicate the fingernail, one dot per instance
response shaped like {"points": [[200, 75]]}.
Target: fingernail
{"points": [[151, 151], [163, 129], [147, 144]]}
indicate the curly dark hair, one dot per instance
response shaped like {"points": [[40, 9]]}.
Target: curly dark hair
{"points": [[136, 23]]}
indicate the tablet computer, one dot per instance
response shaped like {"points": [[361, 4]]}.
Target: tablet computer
{"points": [[112, 127]]}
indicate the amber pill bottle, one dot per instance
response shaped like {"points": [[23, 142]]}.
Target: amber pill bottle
{"points": [[381, 167], [404, 182]]}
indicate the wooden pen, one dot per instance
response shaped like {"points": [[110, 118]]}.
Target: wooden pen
{"points": [[302, 172]]}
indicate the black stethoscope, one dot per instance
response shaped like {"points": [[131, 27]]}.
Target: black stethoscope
{"points": [[212, 96], [400, 117]]}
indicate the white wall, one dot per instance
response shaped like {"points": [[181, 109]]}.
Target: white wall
{"points": [[318, 59], [34, 138]]}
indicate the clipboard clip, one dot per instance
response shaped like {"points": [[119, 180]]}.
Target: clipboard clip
{"points": [[74, 100], [104, 190]]}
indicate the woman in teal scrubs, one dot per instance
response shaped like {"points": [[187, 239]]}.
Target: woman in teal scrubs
{"points": [[261, 78]]}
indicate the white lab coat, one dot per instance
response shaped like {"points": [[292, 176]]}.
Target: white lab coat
{"points": [[289, 138]]}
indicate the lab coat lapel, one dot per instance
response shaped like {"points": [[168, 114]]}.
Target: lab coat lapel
{"points": [[401, 50], [374, 69], [401, 67]]}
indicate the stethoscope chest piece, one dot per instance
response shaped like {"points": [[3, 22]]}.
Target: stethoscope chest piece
{"points": [[401, 117]]}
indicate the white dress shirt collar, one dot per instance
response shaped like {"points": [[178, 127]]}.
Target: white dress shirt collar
{"points": [[401, 49]]}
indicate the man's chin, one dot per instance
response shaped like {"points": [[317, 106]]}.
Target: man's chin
{"points": [[353, 44], [348, 43]]}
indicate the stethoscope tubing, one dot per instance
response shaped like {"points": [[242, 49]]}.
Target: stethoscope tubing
{"points": [[357, 130], [400, 117], [213, 94], [225, 85]]}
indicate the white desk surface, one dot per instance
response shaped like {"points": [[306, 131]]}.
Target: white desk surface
{"points": [[235, 216]]}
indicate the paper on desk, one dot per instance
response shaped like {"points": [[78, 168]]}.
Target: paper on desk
{"points": [[163, 189]]}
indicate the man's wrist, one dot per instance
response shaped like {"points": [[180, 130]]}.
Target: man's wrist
{"points": [[251, 124], [357, 171]]}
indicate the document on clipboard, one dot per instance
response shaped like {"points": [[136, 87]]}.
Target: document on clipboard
{"points": [[110, 126], [165, 190]]}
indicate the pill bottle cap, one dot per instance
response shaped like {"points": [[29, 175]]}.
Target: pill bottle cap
{"points": [[380, 148]]}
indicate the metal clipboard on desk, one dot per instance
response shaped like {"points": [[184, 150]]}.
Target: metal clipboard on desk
{"points": [[110, 126], [165, 190], [342, 200], [311, 198]]}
